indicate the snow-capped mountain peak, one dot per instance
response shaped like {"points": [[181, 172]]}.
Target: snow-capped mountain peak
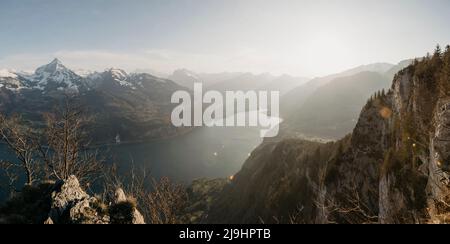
{"points": [[121, 77], [84, 72], [4, 73], [10, 80], [118, 74], [55, 76], [55, 66]]}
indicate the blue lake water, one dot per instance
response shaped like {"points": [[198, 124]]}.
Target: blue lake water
{"points": [[206, 152]]}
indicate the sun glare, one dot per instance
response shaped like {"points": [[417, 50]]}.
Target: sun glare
{"points": [[331, 45]]}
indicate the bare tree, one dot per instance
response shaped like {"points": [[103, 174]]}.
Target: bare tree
{"points": [[160, 201], [440, 209], [20, 140], [11, 171], [54, 152], [352, 209], [165, 202], [68, 151], [296, 216]]}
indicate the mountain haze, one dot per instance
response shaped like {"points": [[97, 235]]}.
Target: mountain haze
{"points": [[392, 169], [235, 81], [328, 107]]}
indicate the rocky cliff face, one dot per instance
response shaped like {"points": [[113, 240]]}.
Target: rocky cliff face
{"points": [[279, 183], [394, 168], [438, 167], [64, 202]]}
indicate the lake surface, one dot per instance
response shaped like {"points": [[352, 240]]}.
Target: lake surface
{"points": [[206, 152]]}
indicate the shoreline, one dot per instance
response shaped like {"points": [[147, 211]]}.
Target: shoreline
{"points": [[99, 145], [129, 142]]}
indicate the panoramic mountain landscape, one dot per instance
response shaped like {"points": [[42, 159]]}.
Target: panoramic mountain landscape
{"points": [[310, 113], [390, 169]]}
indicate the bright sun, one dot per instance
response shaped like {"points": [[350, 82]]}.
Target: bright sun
{"points": [[327, 51]]}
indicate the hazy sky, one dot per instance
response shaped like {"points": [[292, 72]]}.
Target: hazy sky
{"points": [[307, 38]]}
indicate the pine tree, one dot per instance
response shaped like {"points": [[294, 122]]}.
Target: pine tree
{"points": [[437, 51], [446, 55], [437, 58], [445, 73]]}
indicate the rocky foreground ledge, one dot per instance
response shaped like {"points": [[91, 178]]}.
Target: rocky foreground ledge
{"points": [[64, 202]]}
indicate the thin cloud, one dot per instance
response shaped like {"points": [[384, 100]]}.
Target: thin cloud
{"points": [[161, 60]]}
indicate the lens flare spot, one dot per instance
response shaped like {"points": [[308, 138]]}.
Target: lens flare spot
{"points": [[386, 112]]}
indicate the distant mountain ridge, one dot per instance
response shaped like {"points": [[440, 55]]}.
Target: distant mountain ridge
{"points": [[297, 96], [238, 81], [328, 107], [134, 106], [148, 95], [47, 78]]}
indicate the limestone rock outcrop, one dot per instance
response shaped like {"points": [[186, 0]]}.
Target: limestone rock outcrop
{"points": [[65, 202]]}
